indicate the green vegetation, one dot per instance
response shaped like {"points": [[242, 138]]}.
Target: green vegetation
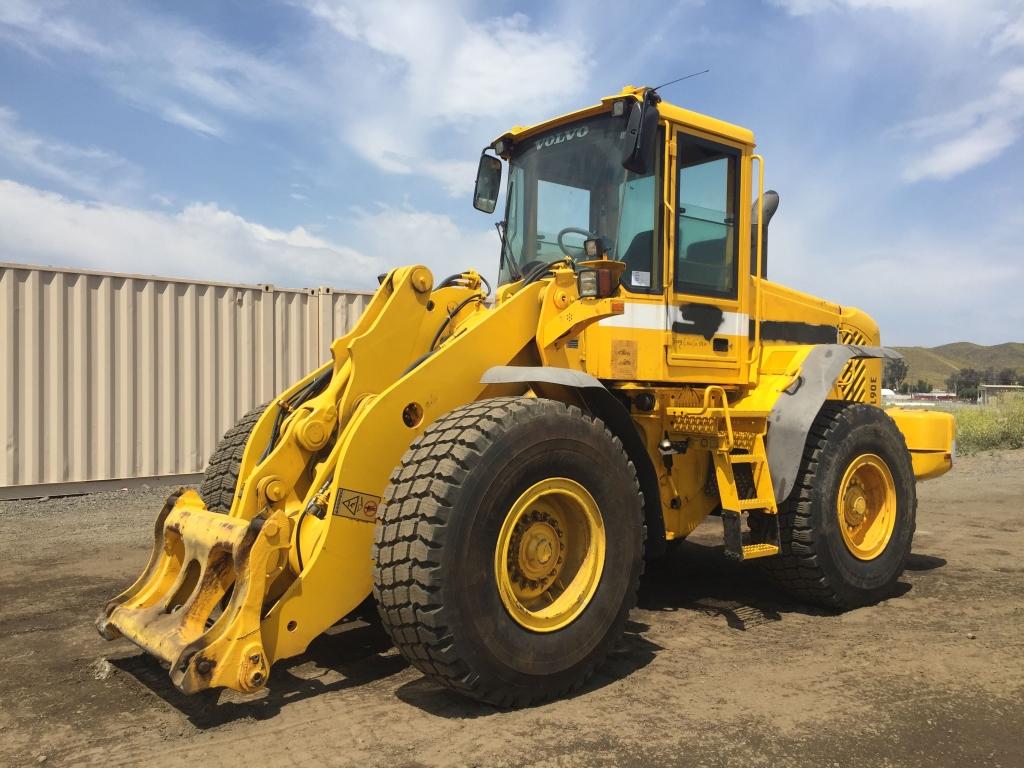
{"points": [[936, 365], [987, 427], [894, 377]]}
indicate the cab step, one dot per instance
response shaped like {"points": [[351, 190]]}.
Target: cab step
{"points": [[746, 504], [751, 551], [744, 458], [735, 549]]}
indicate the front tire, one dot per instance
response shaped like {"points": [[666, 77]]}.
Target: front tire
{"points": [[221, 476], [847, 527], [509, 550]]}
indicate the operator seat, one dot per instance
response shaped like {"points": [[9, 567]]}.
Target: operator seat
{"points": [[707, 263], [639, 256]]}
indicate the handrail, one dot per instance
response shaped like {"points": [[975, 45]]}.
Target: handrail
{"points": [[755, 348], [707, 406], [668, 195]]}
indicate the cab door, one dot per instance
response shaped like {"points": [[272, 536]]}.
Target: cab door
{"points": [[708, 329]]}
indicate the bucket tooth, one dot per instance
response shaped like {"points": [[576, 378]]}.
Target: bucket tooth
{"points": [[197, 605]]}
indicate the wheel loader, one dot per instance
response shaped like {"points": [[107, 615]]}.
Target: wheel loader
{"points": [[495, 469]]}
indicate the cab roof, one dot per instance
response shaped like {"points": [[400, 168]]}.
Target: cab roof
{"points": [[668, 111]]}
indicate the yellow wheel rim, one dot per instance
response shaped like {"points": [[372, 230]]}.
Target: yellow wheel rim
{"points": [[550, 554], [866, 506]]}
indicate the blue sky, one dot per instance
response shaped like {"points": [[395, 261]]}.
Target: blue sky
{"points": [[317, 142]]}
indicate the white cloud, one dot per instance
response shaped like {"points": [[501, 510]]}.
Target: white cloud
{"points": [[427, 85], [982, 34], [442, 79], [201, 241], [88, 170], [164, 66], [970, 135], [204, 241], [923, 286], [1012, 36], [407, 236], [172, 113], [936, 11], [452, 68], [908, 288], [34, 27]]}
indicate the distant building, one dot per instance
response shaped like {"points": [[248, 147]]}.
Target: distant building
{"points": [[989, 392], [934, 396]]}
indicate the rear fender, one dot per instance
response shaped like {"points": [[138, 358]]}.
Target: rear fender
{"points": [[798, 403]]}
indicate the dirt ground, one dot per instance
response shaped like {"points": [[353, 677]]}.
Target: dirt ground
{"points": [[716, 669]]}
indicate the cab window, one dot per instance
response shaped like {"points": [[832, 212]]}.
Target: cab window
{"points": [[636, 244], [706, 242]]}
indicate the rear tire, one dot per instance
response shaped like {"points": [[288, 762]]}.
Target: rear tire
{"points": [[847, 527], [221, 476], [443, 552]]}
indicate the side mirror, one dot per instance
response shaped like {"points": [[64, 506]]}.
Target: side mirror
{"points": [[639, 139], [488, 182]]}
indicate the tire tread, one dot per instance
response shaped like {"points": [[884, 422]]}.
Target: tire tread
{"points": [[417, 507], [797, 568]]}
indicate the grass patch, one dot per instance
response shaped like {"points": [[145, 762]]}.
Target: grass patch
{"points": [[988, 427]]}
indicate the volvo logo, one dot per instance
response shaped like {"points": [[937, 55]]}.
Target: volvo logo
{"points": [[569, 135]]}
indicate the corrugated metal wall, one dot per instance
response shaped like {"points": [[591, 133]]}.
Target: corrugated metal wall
{"points": [[108, 377]]}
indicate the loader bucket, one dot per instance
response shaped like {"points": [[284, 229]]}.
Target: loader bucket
{"points": [[197, 605]]}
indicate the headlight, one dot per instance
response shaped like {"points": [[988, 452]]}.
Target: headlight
{"points": [[587, 283], [596, 283]]}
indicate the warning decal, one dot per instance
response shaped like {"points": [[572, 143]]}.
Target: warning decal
{"points": [[356, 505]]}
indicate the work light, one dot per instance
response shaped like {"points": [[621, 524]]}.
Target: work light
{"points": [[595, 283], [586, 280]]}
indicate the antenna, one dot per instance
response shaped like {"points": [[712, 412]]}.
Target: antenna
{"points": [[680, 79]]}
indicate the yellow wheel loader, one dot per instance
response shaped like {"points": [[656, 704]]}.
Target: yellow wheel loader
{"points": [[494, 470]]}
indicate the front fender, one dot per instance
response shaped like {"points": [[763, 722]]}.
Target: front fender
{"points": [[603, 404]]}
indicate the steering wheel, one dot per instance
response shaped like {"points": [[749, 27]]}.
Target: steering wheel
{"points": [[573, 231]]}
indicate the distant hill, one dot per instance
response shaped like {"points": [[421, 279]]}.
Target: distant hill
{"points": [[935, 364]]}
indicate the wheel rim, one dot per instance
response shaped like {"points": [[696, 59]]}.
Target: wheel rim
{"points": [[550, 554], [866, 506]]}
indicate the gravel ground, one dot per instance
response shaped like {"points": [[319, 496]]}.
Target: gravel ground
{"points": [[716, 669]]}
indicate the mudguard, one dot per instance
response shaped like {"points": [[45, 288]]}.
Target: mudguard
{"points": [[794, 411], [603, 404]]}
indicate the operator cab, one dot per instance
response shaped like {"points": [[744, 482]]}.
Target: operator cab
{"points": [[593, 185], [567, 185]]}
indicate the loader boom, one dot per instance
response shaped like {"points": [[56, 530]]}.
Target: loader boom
{"points": [[301, 526]]}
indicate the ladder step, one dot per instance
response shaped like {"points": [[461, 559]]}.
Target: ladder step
{"points": [[745, 504], [750, 551], [745, 458]]}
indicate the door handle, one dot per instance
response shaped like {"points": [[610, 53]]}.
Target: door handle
{"points": [[720, 345]]}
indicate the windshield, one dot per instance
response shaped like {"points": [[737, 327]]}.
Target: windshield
{"points": [[567, 185]]}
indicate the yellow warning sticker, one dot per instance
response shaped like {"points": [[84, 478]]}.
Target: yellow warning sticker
{"points": [[623, 359], [356, 505]]}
